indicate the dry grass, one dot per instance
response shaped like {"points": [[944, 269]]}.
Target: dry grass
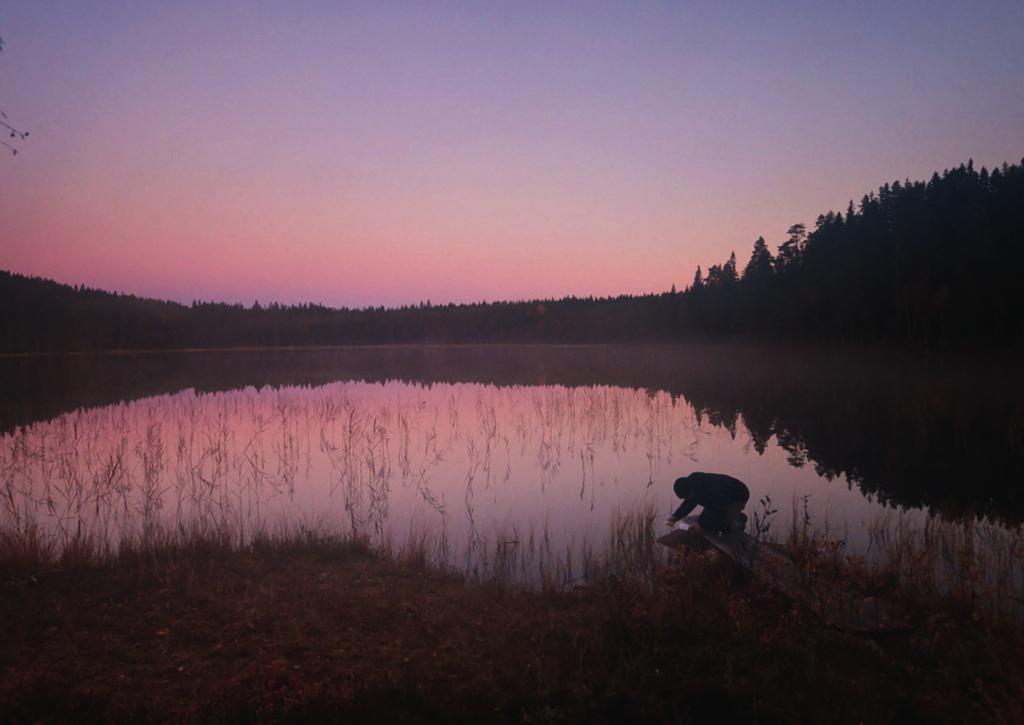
{"points": [[312, 627], [967, 565]]}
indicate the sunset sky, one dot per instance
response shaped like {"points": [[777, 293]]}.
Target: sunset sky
{"points": [[387, 153]]}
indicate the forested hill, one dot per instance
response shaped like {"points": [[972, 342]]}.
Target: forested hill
{"points": [[934, 264]]}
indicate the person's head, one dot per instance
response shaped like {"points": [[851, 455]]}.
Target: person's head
{"points": [[682, 487]]}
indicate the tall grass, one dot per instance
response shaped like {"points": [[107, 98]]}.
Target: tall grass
{"points": [[970, 563], [174, 467], [241, 469]]}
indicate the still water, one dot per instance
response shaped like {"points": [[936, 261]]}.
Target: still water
{"points": [[473, 447]]}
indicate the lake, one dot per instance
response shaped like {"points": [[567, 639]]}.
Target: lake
{"points": [[477, 447]]}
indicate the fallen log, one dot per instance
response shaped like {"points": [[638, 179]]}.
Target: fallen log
{"points": [[839, 607]]}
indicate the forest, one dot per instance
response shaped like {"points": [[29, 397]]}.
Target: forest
{"points": [[928, 265], [923, 265]]}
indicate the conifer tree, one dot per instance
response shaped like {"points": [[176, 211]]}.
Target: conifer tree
{"points": [[759, 268]]}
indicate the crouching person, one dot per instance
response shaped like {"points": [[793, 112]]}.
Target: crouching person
{"points": [[722, 498]]}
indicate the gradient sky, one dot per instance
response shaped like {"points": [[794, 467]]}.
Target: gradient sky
{"points": [[387, 153]]}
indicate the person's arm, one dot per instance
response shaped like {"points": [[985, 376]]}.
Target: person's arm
{"points": [[685, 507]]}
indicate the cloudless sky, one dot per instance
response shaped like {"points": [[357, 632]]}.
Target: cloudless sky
{"points": [[387, 153]]}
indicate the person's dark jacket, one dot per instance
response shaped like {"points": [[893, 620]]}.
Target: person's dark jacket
{"points": [[714, 491]]}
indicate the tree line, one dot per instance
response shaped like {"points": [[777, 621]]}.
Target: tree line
{"points": [[39, 316], [930, 265]]}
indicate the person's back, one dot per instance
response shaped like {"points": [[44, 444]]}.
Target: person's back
{"points": [[718, 488]]}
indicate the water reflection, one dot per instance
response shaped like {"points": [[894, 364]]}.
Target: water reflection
{"points": [[475, 465], [947, 440]]}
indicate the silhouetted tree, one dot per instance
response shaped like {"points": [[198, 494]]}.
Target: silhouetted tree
{"points": [[729, 270], [759, 268], [791, 251]]}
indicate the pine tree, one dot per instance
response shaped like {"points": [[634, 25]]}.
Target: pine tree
{"points": [[791, 251], [729, 270], [759, 267]]}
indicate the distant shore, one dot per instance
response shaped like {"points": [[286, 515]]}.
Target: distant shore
{"points": [[849, 352]]}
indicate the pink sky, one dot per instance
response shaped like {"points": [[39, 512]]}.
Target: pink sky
{"points": [[357, 155]]}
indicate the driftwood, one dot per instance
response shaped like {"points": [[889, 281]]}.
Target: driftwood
{"points": [[839, 607]]}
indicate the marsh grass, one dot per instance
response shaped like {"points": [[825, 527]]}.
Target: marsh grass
{"points": [[176, 472], [161, 472], [925, 562]]}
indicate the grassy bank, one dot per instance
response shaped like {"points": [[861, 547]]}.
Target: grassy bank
{"points": [[318, 627]]}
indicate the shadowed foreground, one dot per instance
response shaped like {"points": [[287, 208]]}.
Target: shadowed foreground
{"points": [[330, 630]]}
